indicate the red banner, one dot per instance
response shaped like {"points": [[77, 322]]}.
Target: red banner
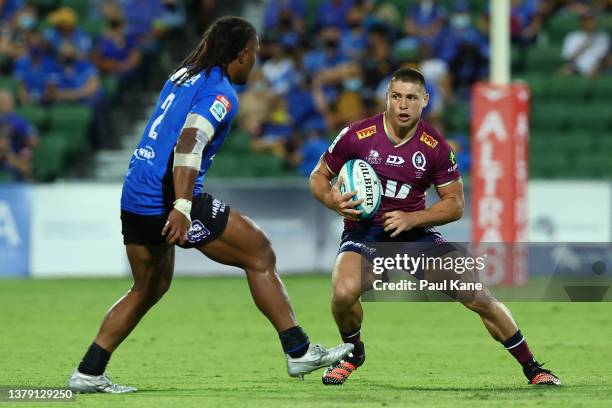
{"points": [[500, 136]]}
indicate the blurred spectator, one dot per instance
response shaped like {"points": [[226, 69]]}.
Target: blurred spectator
{"points": [[425, 19], [115, 51], [576, 7], [310, 151], [172, 15], [145, 22], [14, 34], [350, 104], [365, 6], [285, 13], [525, 20], [436, 70], [377, 63], [387, 13], [143, 17], [279, 69], [438, 84], [64, 29], [34, 71], [8, 8], [302, 106], [255, 104], [327, 61], [353, 41], [333, 13], [328, 55], [525, 24], [465, 49], [276, 130], [584, 50], [76, 79], [17, 140]]}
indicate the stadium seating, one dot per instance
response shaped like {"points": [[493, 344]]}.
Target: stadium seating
{"points": [[80, 6], [8, 83], [50, 157], [72, 123], [571, 115], [36, 115]]}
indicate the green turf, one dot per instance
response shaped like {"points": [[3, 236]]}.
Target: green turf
{"points": [[206, 345]]}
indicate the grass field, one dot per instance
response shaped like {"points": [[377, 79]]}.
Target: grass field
{"points": [[206, 345]]}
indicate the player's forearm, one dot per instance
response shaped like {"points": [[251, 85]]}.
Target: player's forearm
{"points": [[320, 187], [443, 212], [184, 180]]}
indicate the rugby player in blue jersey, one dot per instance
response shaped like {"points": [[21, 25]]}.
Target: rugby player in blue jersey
{"points": [[163, 204]]}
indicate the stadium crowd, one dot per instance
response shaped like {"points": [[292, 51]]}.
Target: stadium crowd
{"points": [[318, 70], [319, 74], [62, 55]]}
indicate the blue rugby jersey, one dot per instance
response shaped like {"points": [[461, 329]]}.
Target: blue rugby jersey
{"points": [[148, 187]]}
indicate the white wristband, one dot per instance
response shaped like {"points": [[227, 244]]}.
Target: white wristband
{"points": [[183, 206]]}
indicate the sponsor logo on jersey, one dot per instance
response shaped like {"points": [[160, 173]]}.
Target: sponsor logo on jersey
{"points": [[374, 157], [217, 206], [367, 132], [144, 153], [225, 102], [197, 232], [392, 191], [331, 146], [418, 161], [218, 110], [429, 140], [453, 161], [396, 161]]}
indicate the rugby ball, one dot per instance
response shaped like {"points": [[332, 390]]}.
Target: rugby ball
{"points": [[357, 175]]}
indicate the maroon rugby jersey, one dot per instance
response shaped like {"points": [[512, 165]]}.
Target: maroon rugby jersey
{"points": [[405, 170]]}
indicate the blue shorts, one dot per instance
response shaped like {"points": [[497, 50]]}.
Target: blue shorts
{"points": [[363, 238], [372, 241]]}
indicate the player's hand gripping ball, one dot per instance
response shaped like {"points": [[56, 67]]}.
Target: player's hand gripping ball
{"points": [[357, 175]]}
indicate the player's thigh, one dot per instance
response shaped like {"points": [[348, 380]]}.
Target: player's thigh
{"points": [[347, 278], [152, 265], [242, 244], [151, 258]]}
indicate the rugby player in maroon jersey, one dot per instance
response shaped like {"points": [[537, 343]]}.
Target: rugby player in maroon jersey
{"points": [[408, 155]]}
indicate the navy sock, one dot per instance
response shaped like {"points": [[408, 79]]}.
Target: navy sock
{"points": [[353, 336], [294, 341], [95, 360]]}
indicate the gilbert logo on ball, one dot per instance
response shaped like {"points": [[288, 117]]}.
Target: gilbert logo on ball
{"points": [[357, 175]]}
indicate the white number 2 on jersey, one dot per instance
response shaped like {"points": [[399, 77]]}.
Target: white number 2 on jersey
{"points": [[164, 106]]}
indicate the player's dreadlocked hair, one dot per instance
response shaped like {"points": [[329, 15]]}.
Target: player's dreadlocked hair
{"points": [[220, 45]]}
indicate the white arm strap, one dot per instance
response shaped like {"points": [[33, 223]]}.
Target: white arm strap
{"points": [[204, 133]]}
